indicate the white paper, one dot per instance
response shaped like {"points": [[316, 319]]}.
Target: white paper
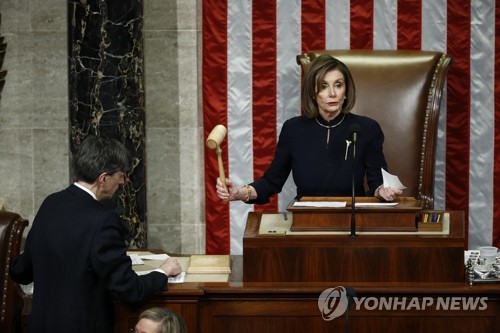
{"points": [[178, 278], [375, 204], [136, 260], [162, 256], [320, 204], [392, 181], [171, 279]]}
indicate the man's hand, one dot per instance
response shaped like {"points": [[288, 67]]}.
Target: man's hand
{"points": [[171, 267]]}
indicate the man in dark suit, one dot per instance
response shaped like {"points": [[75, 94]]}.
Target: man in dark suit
{"points": [[75, 252]]}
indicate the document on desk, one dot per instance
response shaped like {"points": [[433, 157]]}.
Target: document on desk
{"points": [[375, 204], [151, 261], [327, 204], [138, 258], [162, 256], [171, 279], [154, 261], [339, 204]]}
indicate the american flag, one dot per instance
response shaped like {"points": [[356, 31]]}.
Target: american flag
{"points": [[251, 85]]}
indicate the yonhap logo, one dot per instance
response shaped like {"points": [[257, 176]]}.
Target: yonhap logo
{"points": [[333, 303]]}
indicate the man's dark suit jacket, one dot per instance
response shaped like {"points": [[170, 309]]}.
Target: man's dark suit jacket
{"points": [[75, 254]]}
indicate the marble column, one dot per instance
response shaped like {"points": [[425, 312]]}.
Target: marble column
{"points": [[106, 91], [3, 48]]}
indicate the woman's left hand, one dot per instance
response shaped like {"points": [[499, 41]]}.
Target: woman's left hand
{"points": [[388, 193]]}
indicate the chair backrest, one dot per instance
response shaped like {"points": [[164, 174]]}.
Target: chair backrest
{"points": [[402, 90], [11, 234]]}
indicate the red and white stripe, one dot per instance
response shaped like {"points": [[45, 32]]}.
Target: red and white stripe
{"points": [[251, 84]]}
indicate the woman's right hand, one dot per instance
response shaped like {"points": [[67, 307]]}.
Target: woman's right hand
{"points": [[228, 192]]}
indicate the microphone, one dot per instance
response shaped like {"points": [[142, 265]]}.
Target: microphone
{"points": [[354, 130]]}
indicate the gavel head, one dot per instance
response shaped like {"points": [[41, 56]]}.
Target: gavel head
{"points": [[215, 138]]}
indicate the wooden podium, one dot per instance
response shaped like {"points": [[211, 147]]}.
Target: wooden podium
{"points": [[329, 256], [371, 215]]}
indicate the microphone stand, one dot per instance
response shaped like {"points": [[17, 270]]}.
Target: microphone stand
{"points": [[353, 203]]}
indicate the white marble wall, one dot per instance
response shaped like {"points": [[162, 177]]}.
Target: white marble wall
{"points": [[33, 107], [34, 115]]}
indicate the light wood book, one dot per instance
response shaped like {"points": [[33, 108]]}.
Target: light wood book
{"points": [[209, 264], [211, 277]]}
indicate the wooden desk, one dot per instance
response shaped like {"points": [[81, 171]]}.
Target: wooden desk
{"points": [[276, 284], [275, 307], [317, 257]]}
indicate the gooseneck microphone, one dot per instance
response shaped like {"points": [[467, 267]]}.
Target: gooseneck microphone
{"points": [[354, 131]]}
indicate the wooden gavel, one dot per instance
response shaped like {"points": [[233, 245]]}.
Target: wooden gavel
{"points": [[213, 142]]}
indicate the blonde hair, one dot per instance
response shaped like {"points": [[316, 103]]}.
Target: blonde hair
{"points": [[313, 78], [169, 321]]}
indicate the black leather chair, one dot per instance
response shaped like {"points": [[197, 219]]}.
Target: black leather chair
{"points": [[11, 234]]}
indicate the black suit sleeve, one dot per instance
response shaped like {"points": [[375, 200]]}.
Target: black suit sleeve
{"points": [[110, 261], [21, 268]]}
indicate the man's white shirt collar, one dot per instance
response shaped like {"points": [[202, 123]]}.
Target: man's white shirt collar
{"points": [[86, 190]]}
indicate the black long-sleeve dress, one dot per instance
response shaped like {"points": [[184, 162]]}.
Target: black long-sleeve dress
{"points": [[320, 168]]}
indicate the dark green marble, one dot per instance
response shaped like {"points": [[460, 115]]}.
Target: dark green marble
{"points": [[106, 91]]}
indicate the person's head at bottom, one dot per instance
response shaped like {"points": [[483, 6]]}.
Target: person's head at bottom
{"points": [[159, 320]]}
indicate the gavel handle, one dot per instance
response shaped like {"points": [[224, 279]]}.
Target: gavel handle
{"points": [[222, 176]]}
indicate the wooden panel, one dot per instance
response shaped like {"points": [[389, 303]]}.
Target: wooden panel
{"points": [[365, 258], [292, 307], [256, 310], [183, 300], [402, 217]]}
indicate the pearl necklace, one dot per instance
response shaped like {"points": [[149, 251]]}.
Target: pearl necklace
{"points": [[330, 127]]}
